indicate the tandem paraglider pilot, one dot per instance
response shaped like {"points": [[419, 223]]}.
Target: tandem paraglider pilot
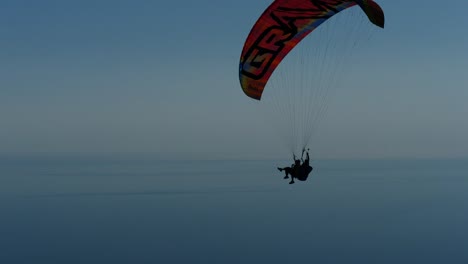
{"points": [[297, 170]]}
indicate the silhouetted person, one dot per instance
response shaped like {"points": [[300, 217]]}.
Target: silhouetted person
{"points": [[298, 170], [291, 170], [287, 171], [305, 170]]}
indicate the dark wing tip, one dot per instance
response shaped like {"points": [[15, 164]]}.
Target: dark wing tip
{"points": [[373, 11]]}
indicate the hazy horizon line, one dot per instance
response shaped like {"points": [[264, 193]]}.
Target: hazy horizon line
{"points": [[202, 156]]}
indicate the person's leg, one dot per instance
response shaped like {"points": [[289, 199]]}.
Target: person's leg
{"points": [[286, 170]]}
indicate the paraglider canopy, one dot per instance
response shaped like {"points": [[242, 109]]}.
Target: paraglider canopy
{"points": [[281, 27]]}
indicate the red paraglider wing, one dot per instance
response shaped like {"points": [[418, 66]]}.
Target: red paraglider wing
{"points": [[280, 28]]}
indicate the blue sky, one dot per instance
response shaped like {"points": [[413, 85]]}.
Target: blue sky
{"points": [[161, 77]]}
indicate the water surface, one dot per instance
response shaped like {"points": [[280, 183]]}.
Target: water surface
{"points": [[143, 210]]}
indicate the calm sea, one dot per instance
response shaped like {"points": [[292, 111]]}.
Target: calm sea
{"points": [[141, 210]]}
